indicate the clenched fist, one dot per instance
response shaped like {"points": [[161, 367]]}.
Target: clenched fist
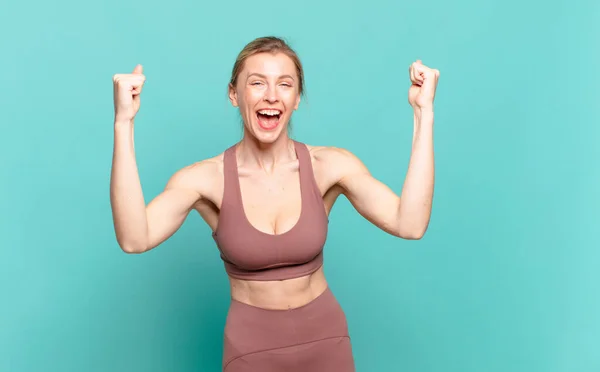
{"points": [[127, 89], [424, 83]]}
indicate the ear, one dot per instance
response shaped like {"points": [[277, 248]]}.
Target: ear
{"points": [[233, 96], [297, 103]]}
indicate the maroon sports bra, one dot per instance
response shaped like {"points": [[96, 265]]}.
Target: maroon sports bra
{"points": [[251, 254]]}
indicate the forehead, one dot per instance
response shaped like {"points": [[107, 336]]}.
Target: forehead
{"points": [[270, 64]]}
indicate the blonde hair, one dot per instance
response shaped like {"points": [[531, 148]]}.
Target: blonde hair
{"points": [[267, 44]]}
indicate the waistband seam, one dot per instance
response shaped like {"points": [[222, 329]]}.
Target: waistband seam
{"points": [[282, 347]]}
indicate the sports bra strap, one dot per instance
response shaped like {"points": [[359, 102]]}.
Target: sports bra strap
{"points": [[307, 176], [230, 177]]}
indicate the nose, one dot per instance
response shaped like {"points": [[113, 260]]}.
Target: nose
{"points": [[270, 95]]}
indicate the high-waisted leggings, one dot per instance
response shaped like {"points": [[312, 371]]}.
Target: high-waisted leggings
{"points": [[310, 338]]}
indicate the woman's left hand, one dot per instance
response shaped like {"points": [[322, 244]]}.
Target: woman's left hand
{"points": [[421, 93]]}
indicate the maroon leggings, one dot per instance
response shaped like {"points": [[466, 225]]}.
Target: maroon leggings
{"points": [[313, 338]]}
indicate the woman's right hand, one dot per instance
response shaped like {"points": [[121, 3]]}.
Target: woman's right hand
{"points": [[127, 89]]}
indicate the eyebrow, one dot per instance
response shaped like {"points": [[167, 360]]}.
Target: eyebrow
{"points": [[264, 77]]}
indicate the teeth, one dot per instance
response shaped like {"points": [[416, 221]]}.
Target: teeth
{"points": [[269, 112]]}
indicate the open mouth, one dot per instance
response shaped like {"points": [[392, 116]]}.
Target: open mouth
{"points": [[268, 118]]}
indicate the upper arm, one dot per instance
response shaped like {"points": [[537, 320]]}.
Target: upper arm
{"points": [[371, 198], [168, 210]]}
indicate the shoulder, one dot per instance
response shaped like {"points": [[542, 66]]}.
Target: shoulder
{"points": [[201, 176], [336, 157], [337, 162]]}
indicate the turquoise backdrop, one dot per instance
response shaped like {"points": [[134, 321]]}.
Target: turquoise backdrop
{"points": [[507, 277]]}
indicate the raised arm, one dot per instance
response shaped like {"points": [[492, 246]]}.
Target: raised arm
{"points": [[139, 227], [406, 215]]}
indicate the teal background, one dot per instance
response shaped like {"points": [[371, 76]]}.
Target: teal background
{"points": [[506, 278]]}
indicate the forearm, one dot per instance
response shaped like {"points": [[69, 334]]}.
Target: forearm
{"points": [[417, 192], [126, 196]]}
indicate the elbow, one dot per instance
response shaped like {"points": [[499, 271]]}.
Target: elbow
{"points": [[412, 233], [127, 249], [412, 225], [132, 247]]}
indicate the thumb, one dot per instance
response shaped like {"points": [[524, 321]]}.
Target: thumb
{"points": [[430, 82], [138, 69]]}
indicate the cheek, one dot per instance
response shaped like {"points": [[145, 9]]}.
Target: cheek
{"points": [[250, 97], [290, 98]]}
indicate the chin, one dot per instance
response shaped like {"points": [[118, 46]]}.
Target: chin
{"points": [[268, 136]]}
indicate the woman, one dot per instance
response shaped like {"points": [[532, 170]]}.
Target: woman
{"points": [[267, 200]]}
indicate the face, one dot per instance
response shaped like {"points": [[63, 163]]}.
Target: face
{"points": [[267, 94]]}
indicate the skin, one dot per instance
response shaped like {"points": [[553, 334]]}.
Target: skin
{"points": [[269, 178]]}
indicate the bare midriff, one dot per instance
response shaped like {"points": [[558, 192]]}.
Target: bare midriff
{"points": [[280, 294]]}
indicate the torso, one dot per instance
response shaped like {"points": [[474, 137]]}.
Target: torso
{"points": [[272, 205]]}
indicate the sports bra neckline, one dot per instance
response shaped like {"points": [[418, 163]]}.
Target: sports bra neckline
{"points": [[233, 164], [251, 254], [242, 211]]}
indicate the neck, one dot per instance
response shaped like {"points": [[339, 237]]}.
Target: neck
{"points": [[266, 156]]}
